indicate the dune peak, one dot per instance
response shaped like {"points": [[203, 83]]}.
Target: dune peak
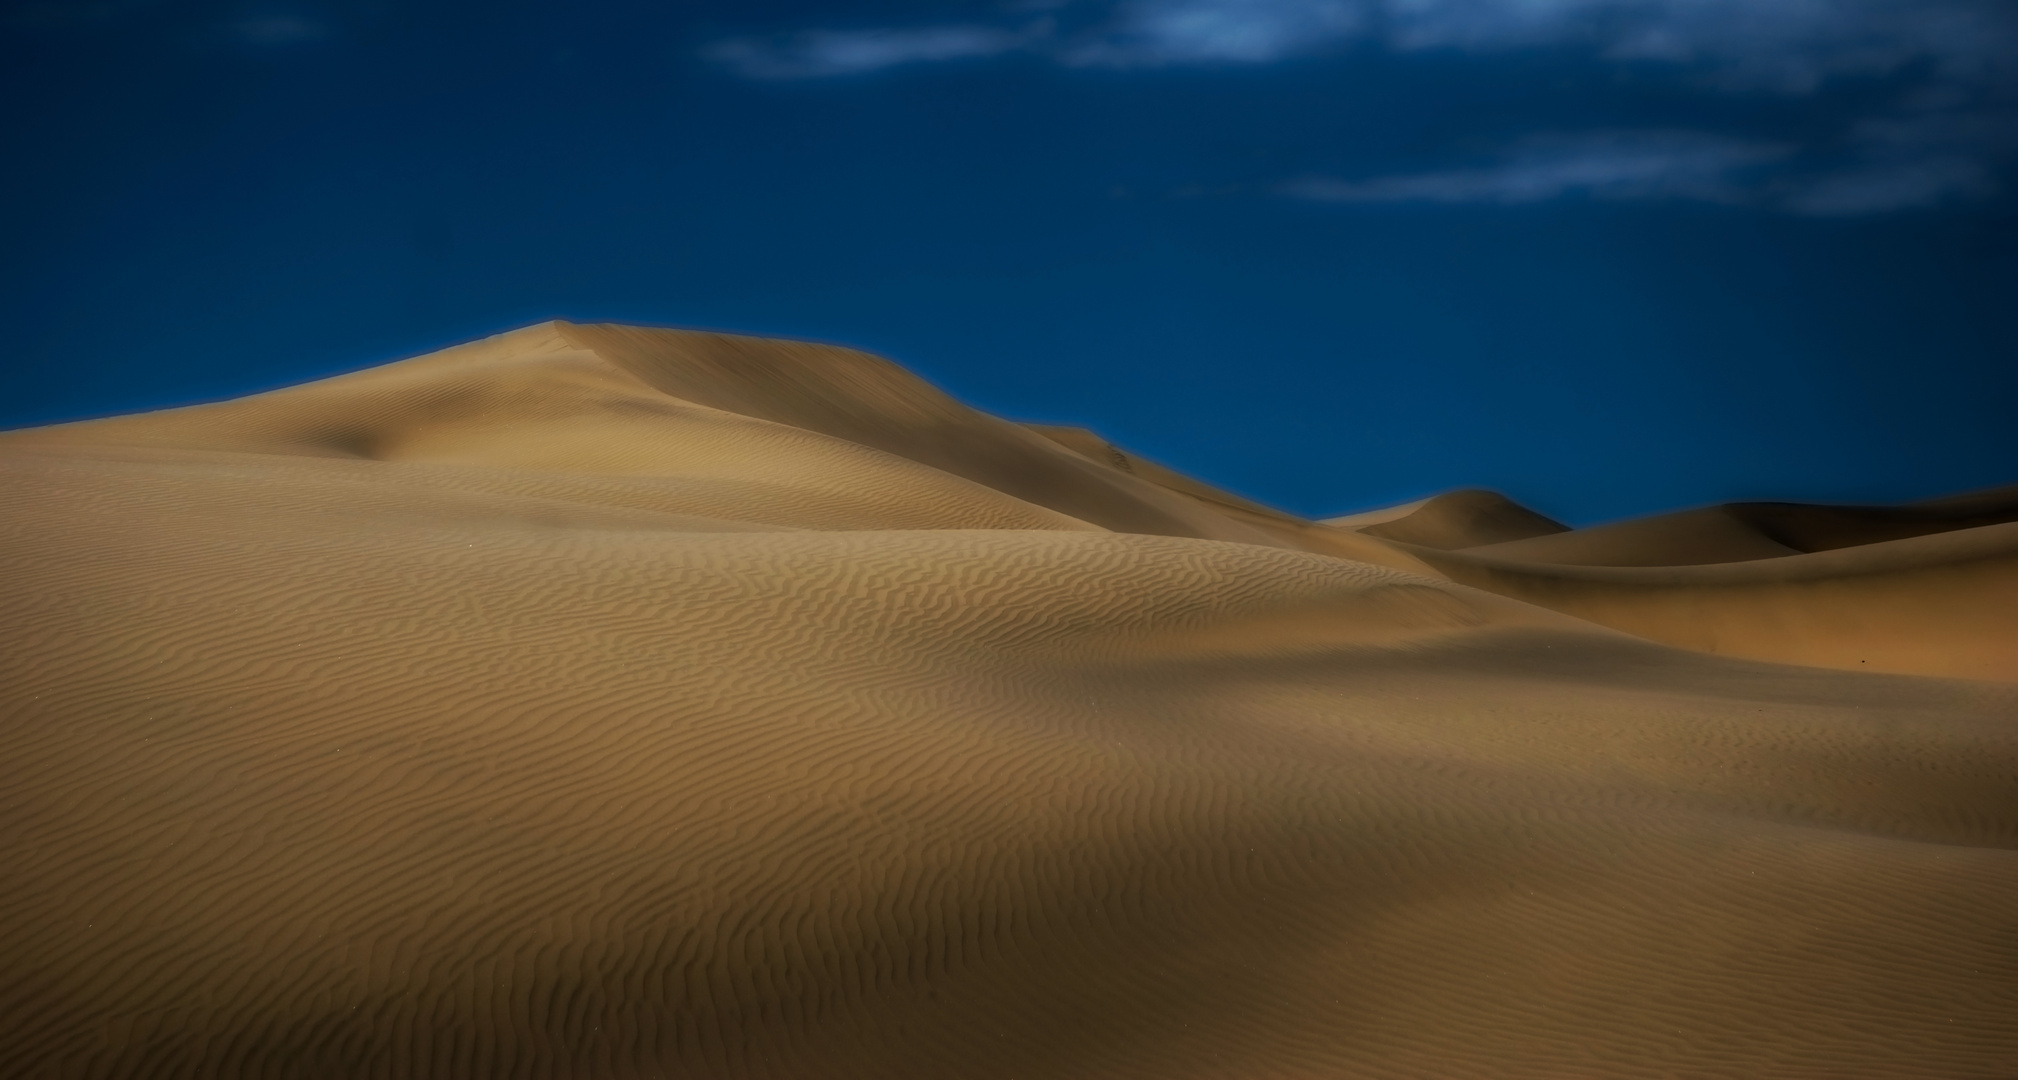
{"points": [[598, 700]]}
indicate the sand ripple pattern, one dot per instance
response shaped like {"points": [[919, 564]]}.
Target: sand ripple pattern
{"points": [[551, 760]]}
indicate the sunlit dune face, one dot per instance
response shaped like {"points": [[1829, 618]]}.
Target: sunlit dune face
{"points": [[598, 701]]}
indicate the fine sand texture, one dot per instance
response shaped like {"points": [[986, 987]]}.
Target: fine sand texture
{"points": [[1927, 588], [602, 702]]}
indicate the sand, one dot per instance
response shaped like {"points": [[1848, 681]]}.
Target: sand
{"points": [[1927, 588], [603, 702]]}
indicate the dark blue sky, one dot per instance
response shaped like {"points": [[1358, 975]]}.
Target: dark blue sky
{"points": [[1609, 256]]}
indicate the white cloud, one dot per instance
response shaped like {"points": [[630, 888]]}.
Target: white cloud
{"points": [[1606, 165], [1945, 139], [1654, 165], [824, 53], [1153, 32], [1788, 45]]}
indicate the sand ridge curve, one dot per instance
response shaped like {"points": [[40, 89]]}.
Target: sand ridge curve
{"points": [[507, 713], [1925, 588]]}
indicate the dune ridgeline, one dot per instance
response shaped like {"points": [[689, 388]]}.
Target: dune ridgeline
{"points": [[594, 701]]}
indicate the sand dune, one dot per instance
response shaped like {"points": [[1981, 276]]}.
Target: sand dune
{"points": [[1926, 588], [601, 702], [1739, 532], [1456, 519]]}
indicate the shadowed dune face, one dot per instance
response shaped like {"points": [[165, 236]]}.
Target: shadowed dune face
{"points": [[507, 713], [869, 401], [1462, 519], [1944, 604], [1690, 538], [1740, 532], [1828, 528], [1929, 588]]}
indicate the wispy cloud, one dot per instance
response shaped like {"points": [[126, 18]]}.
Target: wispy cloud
{"points": [[1889, 185], [1911, 158], [1209, 31], [817, 54], [1949, 141], [1683, 165], [1786, 45], [1608, 165], [1790, 45]]}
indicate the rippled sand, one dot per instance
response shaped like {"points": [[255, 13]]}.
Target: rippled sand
{"points": [[604, 702]]}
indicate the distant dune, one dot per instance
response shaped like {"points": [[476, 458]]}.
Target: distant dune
{"points": [[1457, 519], [1927, 588], [593, 701]]}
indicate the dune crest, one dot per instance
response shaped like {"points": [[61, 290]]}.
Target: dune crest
{"points": [[610, 702], [1461, 519], [1927, 588]]}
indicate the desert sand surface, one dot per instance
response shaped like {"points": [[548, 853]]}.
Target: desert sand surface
{"points": [[1455, 519], [1926, 588], [594, 701]]}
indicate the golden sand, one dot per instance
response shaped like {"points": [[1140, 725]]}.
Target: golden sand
{"points": [[602, 702]]}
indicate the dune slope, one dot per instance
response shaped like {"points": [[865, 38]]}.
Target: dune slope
{"points": [[1927, 588], [1462, 519], [597, 702]]}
